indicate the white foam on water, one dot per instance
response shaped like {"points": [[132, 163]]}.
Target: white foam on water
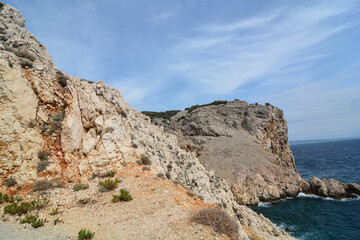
{"points": [[303, 195], [264, 204], [351, 199]]}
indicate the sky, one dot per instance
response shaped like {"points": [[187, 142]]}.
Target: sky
{"points": [[301, 56]]}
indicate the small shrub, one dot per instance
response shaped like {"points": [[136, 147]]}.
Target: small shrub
{"points": [[145, 159], [42, 165], [46, 184], [90, 82], [25, 55], [192, 108], [134, 145], [43, 155], [40, 203], [85, 234], [18, 209], [20, 54], [218, 220], [103, 189], [44, 128], [54, 212], [146, 168], [10, 182], [165, 115], [29, 218], [58, 220], [62, 80], [58, 117], [38, 223], [31, 124], [85, 201], [168, 175], [5, 198], [109, 184], [139, 162], [267, 104], [79, 186], [25, 63], [191, 193], [110, 173], [123, 197], [160, 175]]}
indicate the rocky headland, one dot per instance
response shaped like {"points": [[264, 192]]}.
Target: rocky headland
{"points": [[59, 132], [246, 144]]}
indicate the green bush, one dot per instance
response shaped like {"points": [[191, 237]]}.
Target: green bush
{"points": [[57, 220], [85, 234], [79, 186], [109, 184], [29, 218], [54, 211], [110, 173], [34, 220], [4, 198], [218, 220], [38, 223], [17, 208], [123, 197]]}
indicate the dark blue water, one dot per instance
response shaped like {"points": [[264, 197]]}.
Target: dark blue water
{"points": [[314, 218]]}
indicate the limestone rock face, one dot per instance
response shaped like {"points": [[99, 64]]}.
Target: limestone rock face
{"points": [[85, 128], [333, 188], [246, 144]]}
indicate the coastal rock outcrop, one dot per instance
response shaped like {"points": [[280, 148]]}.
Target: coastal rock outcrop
{"points": [[246, 144], [57, 127], [333, 188]]}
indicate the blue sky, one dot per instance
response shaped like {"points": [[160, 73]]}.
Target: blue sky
{"points": [[301, 56]]}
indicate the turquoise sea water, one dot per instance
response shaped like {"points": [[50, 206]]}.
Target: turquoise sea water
{"points": [[309, 217]]}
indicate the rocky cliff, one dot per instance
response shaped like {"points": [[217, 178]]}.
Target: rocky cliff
{"points": [[246, 144], [57, 127]]}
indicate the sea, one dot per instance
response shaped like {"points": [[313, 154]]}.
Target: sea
{"points": [[309, 217]]}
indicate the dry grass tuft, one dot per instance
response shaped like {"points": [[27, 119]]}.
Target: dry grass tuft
{"points": [[218, 220]]}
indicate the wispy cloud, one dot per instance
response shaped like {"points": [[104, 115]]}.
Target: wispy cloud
{"points": [[162, 16], [222, 58], [250, 23]]}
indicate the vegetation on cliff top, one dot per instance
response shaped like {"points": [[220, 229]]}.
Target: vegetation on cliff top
{"points": [[168, 114]]}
